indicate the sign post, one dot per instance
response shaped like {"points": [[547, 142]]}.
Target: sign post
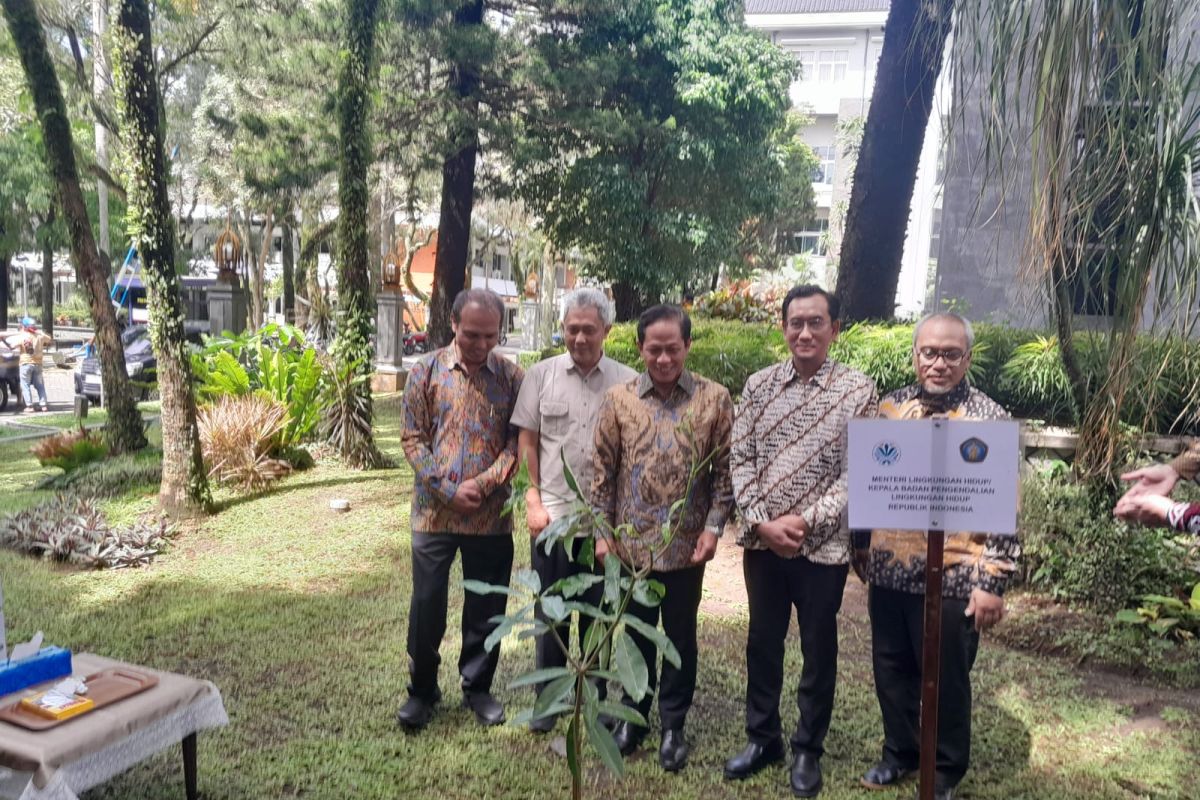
{"points": [[931, 476], [931, 661]]}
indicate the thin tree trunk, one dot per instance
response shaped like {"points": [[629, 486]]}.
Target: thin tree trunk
{"points": [[886, 171], [355, 308], [48, 288], [458, 195], [264, 257], [184, 481], [5, 262], [100, 78], [288, 258], [124, 430]]}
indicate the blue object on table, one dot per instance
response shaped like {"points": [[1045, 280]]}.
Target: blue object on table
{"points": [[49, 663]]}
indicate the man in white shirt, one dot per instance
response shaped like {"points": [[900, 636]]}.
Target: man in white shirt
{"points": [[556, 411]]}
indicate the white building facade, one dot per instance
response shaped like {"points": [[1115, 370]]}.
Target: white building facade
{"points": [[837, 44]]}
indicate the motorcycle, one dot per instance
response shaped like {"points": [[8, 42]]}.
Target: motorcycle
{"points": [[415, 341]]}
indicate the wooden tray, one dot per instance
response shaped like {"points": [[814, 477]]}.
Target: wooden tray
{"points": [[105, 687]]}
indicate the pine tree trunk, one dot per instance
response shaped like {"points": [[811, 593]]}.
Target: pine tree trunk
{"points": [[184, 481], [48, 288], [886, 171], [458, 196], [352, 348], [124, 430], [288, 258]]}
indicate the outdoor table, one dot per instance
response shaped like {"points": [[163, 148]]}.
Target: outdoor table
{"points": [[61, 762]]}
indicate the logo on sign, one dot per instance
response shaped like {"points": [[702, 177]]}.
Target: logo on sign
{"points": [[973, 450], [886, 453]]}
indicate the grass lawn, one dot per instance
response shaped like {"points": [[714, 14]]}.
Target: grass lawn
{"points": [[298, 614]]}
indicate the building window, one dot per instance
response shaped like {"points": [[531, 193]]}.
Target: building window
{"points": [[823, 172], [823, 66], [812, 240], [808, 64]]}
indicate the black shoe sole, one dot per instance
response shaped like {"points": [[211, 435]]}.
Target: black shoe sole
{"points": [[809, 792], [673, 767]]}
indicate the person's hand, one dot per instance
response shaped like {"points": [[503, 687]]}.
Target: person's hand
{"points": [[601, 549], [859, 557], [987, 608], [781, 536], [706, 548], [1157, 479], [467, 497], [536, 517], [1148, 509]]}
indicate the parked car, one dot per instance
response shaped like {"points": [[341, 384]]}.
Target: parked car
{"points": [[140, 363], [10, 377]]}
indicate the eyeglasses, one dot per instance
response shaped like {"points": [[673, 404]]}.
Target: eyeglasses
{"points": [[952, 357], [816, 324]]}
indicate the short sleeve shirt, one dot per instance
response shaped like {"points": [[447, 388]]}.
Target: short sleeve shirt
{"points": [[562, 405]]}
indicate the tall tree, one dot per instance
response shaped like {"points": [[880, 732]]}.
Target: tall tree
{"points": [[352, 349], [458, 172], [184, 481], [886, 171], [639, 155], [123, 429]]}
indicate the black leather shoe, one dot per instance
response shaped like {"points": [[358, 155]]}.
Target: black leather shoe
{"points": [[806, 775], [487, 708], [416, 712], [673, 752], [543, 724], [753, 759], [884, 775], [628, 737]]}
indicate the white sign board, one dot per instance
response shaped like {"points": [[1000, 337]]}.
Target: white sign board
{"points": [[934, 474]]}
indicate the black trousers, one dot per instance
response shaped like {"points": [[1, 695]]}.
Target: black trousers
{"points": [[897, 632], [774, 587], [678, 611], [551, 568], [484, 558]]}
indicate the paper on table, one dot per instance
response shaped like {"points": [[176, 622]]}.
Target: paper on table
{"points": [[27, 649]]}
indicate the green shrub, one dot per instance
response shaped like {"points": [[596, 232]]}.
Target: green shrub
{"points": [[1033, 380], [274, 362], [73, 312], [884, 352], [1075, 550]]}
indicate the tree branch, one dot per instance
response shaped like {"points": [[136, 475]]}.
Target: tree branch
{"points": [[100, 173], [194, 47]]}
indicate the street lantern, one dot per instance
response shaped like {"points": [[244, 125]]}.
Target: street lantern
{"points": [[390, 274], [227, 253]]}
